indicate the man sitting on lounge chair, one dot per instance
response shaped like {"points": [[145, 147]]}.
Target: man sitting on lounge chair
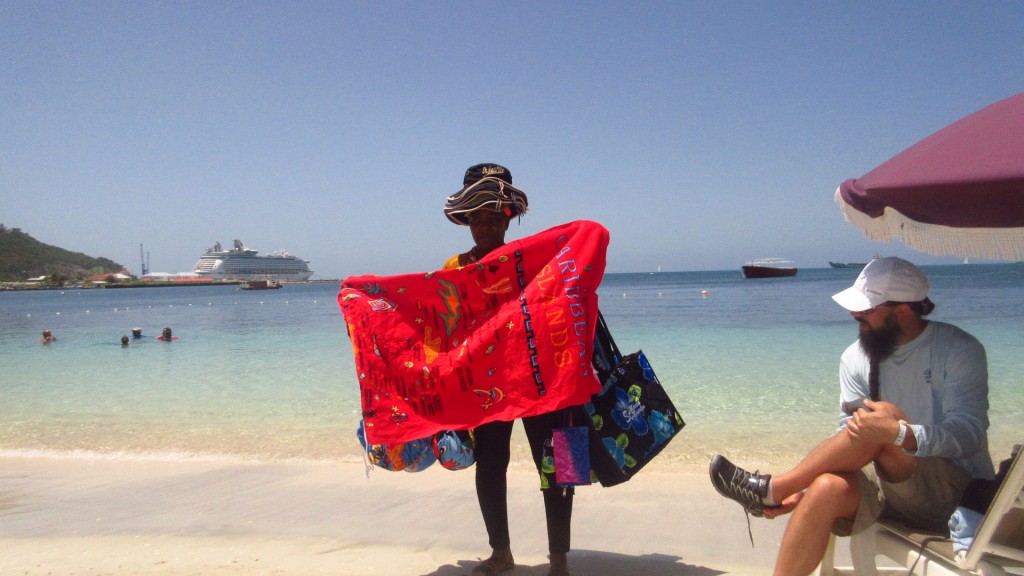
{"points": [[922, 421]]}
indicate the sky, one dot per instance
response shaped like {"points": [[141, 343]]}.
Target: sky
{"points": [[701, 134]]}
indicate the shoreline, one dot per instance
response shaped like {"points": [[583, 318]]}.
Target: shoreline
{"points": [[72, 515], [688, 453]]}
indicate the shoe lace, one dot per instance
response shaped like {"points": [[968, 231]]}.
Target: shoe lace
{"points": [[749, 531], [739, 486], [741, 480]]}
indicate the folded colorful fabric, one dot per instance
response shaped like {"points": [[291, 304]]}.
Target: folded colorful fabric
{"points": [[572, 455]]}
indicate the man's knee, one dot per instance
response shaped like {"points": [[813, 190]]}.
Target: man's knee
{"points": [[834, 494]]}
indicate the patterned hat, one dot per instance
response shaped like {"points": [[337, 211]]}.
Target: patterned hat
{"points": [[486, 186]]}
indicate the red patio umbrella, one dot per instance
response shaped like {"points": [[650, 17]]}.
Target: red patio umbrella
{"points": [[958, 192]]}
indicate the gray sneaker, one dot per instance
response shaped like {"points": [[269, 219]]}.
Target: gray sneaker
{"points": [[731, 481]]}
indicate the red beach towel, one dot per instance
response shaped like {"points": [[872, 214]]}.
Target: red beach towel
{"points": [[508, 337]]}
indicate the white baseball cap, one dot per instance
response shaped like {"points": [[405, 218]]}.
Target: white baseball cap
{"points": [[884, 280]]}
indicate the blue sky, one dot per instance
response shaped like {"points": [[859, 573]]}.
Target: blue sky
{"points": [[701, 134]]}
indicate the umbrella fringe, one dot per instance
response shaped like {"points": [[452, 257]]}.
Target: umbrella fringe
{"points": [[986, 243]]}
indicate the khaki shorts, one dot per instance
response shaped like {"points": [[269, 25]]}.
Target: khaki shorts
{"points": [[925, 501]]}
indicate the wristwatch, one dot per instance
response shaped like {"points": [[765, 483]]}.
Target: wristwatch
{"points": [[902, 435]]}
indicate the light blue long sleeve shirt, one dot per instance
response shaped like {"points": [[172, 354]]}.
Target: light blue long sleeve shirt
{"points": [[940, 380]]}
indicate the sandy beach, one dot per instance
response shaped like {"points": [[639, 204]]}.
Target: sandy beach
{"points": [[262, 473], [68, 515]]}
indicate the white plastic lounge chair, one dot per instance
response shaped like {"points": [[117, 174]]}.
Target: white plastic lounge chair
{"points": [[997, 549]]}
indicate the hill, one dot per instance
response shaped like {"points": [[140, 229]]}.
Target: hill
{"points": [[23, 257]]}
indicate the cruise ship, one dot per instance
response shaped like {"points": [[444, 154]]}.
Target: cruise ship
{"points": [[241, 263]]}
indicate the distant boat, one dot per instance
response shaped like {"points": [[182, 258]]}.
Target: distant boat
{"points": [[852, 264], [260, 285], [769, 268]]}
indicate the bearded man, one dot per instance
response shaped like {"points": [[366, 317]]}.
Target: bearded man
{"points": [[912, 436]]}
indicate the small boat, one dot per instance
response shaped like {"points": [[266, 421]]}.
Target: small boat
{"points": [[769, 268], [260, 285], [852, 264]]}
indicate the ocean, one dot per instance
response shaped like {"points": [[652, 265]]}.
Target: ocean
{"points": [[752, 365]]}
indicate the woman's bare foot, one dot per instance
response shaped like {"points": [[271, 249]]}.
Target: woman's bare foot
{"points": [[559, 565], [500, 561]]}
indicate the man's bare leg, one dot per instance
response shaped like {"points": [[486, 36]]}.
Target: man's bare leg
{"points": [[842, 453], [828, 498]]}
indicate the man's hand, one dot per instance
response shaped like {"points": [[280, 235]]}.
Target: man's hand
{"points": [[882, 406], [880, 425], [785, 507]]}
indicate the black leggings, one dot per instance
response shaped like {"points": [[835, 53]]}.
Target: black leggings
{"points": [[492, 458]]}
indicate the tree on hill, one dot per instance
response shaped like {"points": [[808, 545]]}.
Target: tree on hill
{"points": [[22, 257]]}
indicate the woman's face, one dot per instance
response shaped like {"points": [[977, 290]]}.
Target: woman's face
{"points": [[488, 228]]}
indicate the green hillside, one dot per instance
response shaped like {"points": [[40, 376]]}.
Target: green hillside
{"points": [[22, 257]]}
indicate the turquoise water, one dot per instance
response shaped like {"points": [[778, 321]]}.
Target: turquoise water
{"points": [[268, 375]]}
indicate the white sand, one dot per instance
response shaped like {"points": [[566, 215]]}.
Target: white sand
{"points": [[64, 516]]}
